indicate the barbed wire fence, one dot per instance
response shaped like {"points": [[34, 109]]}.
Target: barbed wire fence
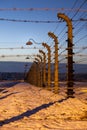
{"points": [[49, 72], [76, 54]]}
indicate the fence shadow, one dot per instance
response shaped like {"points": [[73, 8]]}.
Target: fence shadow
{"points": [[9, 84], [29, 113], [7, 95], [61, 100]]}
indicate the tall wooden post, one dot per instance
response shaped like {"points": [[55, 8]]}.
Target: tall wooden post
{"points": [[56, 77], [40, 57], [38, 72], [49, 64], [44, 67], [70, 83]]}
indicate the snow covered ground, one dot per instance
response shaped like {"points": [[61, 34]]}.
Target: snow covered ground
{"points": [[26, 107]]}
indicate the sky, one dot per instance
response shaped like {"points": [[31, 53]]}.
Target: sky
{"points": [[16, 34]]}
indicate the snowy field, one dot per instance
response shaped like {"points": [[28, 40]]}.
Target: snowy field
{"points": [[26, 107]]}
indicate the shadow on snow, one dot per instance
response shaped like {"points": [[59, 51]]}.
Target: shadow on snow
{"points": [[7, 95], [28, 113]]}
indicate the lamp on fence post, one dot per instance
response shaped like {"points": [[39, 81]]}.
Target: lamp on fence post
{"points": [[44, 67], [56, 78], [49, 64], [31, 41], [70, 83]]}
